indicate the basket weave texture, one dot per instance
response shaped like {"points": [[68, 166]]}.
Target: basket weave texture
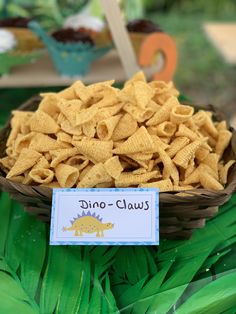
{"points": [[179, 215]]}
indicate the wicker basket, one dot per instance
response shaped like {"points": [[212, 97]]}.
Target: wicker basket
{"points": [[179, 215]]}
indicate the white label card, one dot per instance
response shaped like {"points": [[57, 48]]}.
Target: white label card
{"points": [[105, 217]]}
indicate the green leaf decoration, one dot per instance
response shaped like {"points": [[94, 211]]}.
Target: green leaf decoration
{"points": [[4, 223], [13, 298], [108, 300], [53, 279], [194, 276], [216, 297]]}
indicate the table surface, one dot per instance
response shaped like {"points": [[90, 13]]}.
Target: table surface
{"points": [[42, 72], [223, 36]]}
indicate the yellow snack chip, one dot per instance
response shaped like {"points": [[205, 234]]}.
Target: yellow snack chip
{"points": [[42, 176], [181, 113], [68, 128], [210, 183], [199, 118], [165, 139], [64, 137], [202, 169], [129, 163], [129, 179], [153, 106], [141, 158], [101, 86], [205, 168], [42, 122], [85, 170], [166, 129], [49, 104], [48, 156], [61, 118], [19, 118], [210, 127], [52, 185], [183, 156], [138, 114], [192, 126], [97, 174], [23, 141], [163, 89], [105, 113], [223, 141], [78, 161], [69, 92], [66, 175], [107, 100], [164, 185], [186, 132], [143, 93], [26, 160], [64, 144], [221, 126], [113, 167], [139, 76], [212, 160], [223, 171], [191, 167], [89, 128], [105, 128], [176, 145], [11, 152], [62, 154], [151, 164], [25, 128], [43, 143], [192, 178], [6, 163], [69, 108], [163, 113], [18, 179], [85, 115], [126, 126], [95, 150], [105, 185], [201, 153], [182, 188], [158, 143], [82, 92], [170, 170], [42, 163], [140, 171], [140, 141]]}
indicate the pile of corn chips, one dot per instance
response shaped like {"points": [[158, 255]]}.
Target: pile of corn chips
{"points": [[100, 136]]}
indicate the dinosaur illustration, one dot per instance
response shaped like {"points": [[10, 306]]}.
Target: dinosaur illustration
{"points": [[88, 223]]}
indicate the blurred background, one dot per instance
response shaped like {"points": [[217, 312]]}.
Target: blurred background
{"points": [[203, 74]]}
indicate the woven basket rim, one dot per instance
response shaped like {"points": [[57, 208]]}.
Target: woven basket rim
{"points": [[204, 195]]}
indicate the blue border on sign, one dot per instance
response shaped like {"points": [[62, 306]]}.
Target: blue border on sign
{"points": [[55, 191]]}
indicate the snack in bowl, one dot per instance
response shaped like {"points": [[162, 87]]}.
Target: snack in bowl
{"points": [[100, 136]]}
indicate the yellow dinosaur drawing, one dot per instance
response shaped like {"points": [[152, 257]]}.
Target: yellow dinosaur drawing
{"points": [[88, 223]]}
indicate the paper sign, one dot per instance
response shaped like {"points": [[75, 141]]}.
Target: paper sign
{"points": [[105, 217]]}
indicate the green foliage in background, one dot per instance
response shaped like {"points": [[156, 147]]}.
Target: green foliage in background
{"points": [[51, 14], [210, 7]]}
